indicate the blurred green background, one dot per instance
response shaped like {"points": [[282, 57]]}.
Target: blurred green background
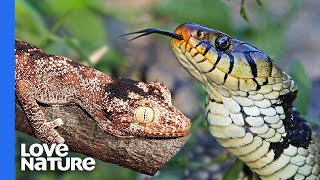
{"points": [[87, 31]]}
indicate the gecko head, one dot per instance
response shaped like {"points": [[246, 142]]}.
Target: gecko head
{"points": [[144, 110]]}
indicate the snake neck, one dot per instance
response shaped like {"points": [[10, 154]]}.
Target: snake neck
{"points": [[258, 125]]}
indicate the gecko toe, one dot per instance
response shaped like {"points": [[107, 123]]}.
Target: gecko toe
{"points": [[59, 140], [55, 123], [50, 135], [55, 137]]}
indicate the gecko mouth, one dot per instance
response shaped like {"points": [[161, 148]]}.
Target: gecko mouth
{"points": [[172, 131], [169, 131], [160, 134]]}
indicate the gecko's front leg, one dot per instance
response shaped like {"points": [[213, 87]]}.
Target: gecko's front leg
{"points": [[43, 129]]}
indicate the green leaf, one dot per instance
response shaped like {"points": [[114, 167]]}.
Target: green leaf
{"points": [[29, 25], [78, 20], [234, 171], [243, 12], [74, 19], [301, 78], [259, 2]]}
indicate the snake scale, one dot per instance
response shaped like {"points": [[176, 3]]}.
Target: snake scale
{"points": [[249, 102]]}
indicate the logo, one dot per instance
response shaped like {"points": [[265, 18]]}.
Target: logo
{"points": [[33, 160]]}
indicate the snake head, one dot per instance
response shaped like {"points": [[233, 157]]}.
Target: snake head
{"points": [[210, 55], [137, 109]]}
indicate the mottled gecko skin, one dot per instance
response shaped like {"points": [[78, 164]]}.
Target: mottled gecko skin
{"points": [[121, 107]]}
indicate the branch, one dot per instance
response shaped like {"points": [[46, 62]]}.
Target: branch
{"points": [[82, 135]]}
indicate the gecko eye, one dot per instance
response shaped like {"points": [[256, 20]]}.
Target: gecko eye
{"points": [[222, 43], [144, 114]]}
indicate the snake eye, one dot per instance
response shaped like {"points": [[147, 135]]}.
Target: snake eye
{"points": [[222, 43], [144, 114]]}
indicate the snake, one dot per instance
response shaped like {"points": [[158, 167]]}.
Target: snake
{"points": [[249, 102]]}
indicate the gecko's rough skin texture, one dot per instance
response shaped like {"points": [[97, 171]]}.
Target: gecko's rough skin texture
{"points": [[121, 107], [249, 104]]}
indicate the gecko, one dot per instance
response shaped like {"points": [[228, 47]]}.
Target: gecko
{"points": [[121, 107]]}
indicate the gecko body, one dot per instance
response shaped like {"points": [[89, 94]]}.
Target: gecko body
{"points": [[121, 107]]}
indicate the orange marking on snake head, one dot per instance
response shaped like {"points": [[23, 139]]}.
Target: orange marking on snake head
{"points": [[184, 30]]}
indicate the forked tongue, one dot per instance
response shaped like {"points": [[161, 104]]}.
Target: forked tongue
{"points": [[148, 31]]}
